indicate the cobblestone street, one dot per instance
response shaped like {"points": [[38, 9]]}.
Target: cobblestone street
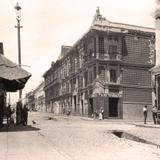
{"points": [[77, 138]]}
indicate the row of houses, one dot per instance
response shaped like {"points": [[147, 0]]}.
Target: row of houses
{"points": [[35, 99], [109, 67]]}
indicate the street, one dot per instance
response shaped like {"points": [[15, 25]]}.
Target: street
{"points": [[49, 137]]}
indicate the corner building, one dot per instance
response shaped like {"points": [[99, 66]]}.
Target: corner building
{"points": [[107, 67]]}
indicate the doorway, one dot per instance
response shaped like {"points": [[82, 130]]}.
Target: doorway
{"points": [[113, 107], [90, 110], [82, 107], [158, 92], [75, 104]]}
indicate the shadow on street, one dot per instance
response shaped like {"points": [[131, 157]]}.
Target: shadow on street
{"points": [[17, 128]]}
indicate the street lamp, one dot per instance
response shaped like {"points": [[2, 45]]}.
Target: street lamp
{"points": [[18, 26]]}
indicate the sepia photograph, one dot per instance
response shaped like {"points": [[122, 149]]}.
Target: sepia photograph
{"points": [[80, 80]]}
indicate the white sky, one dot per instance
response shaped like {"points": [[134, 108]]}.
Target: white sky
{"points": [[48, 24]]}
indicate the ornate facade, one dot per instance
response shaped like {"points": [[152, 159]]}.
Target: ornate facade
{"points": [[107, 67]]}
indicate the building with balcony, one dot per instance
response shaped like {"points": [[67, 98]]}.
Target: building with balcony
{"points": [[107, 67]]}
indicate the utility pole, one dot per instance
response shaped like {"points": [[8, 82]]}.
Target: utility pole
{"points": [[18, 26]]}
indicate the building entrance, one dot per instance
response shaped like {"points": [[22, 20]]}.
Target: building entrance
{"points": [[158, 90], [90, 109], [75, 104], [82, 107], [113, 107]]}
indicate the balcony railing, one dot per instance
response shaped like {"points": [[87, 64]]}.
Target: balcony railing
{"points": [[109, 56]]}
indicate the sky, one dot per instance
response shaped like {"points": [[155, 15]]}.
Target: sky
{"points": [[48, 24]]}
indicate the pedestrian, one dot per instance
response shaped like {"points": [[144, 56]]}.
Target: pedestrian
{"points": [[154, 114], [100, 114], [102, 110], [68, 112], [19, 112], [25, 115], [8, 114], [145, 110], [13, 116]]}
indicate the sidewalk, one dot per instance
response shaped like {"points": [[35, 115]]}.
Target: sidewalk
{"points": [[138, 123], [25, 143], [148, 125]]}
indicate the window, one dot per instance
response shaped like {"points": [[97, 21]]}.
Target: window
{"points": [[101, 45], [90, 53], [101, 73], [74, 80], [90, 77], [86, 78], [67, 86], [113, 76], [112, 51], [94, 73], [95, 47], [110, 38]]}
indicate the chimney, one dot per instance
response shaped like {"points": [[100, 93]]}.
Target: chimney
{"points": [[1, 48]]}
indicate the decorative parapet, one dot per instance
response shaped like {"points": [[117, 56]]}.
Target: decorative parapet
{"points": [[101, 23]]}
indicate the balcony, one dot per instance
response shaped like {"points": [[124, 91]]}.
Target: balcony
{"points": [[109, 56]]}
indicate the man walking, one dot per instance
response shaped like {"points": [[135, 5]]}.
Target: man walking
{"points": [[145, 110]]}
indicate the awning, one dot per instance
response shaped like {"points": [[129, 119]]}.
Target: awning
{"points": [[11, 75]]}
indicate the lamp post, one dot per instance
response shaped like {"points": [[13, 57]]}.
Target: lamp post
{"points": [[18, 26]]}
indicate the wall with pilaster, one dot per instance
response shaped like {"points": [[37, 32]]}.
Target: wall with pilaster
{"points": [[134, 111]]}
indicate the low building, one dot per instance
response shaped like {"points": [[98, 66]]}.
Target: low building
{"points": [[108, 67]]}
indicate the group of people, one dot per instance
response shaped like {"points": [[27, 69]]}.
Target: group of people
{"points": [[154, 113], [21, 114], [18, 115], [99, 113]]}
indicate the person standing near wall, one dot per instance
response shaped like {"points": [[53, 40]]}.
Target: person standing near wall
{"points": [[154, 114], [145, 111]]}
